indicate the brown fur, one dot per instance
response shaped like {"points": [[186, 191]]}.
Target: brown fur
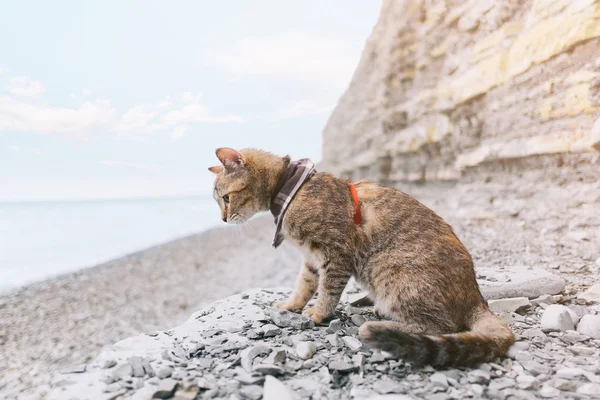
{"points": [[416, 270]]}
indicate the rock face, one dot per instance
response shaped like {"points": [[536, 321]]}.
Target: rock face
{"points": [[446, 86], [219, 353]]}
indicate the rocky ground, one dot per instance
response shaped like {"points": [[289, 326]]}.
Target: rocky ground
{"points": [[241, 348], [551, 224]]}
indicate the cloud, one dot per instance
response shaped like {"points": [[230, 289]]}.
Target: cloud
{"points": [[86, 92], [302, 109], [14, 148], [174, 115], [196, 113], [18, 115], [293, 56], [23, 86], [120, 164], [179, 132]]}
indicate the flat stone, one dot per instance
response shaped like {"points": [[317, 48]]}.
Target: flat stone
{"points": [[581, 350], [76, 369], [439, 380], [566, 385], [166, 389], [248, 379], [569, 373], [306, 350], [334, 326], [526, 381], [573, 337], [589, 325], [358, 319], [508, 305], [386, 386], [254, 334], [287, 319], [518, 281], [274, 389], [544, 299], [535, 368], [391, 397], [352, 343], [164, 372], [478, 376], [342, 366], [361, 299], [268, 369], [501, 383], [556, 318], [548, 392], [271, 330], [106, 364]]}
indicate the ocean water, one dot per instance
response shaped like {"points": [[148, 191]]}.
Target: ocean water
{"points": [[39, 240]]}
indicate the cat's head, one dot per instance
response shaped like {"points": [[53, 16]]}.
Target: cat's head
{"points": [[245, 181]]}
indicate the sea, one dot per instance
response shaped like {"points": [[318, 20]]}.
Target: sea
{"points": [[40, 240]]}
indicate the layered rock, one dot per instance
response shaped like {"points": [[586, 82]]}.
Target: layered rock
{"points": [[445, 86]]}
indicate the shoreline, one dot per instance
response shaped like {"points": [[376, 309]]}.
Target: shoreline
{"points": [[30, 285], [68, 319]]}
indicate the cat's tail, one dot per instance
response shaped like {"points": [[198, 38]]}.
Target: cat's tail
{"points": [[488, 338]]}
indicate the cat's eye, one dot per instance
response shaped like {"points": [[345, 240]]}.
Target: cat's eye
{"points": [[226, 199]]}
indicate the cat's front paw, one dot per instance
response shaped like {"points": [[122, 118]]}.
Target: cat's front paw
{"points": [[314, 314], [288, 305]]}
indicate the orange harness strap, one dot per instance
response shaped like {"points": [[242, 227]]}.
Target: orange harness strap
{"points": [[357, 216]]}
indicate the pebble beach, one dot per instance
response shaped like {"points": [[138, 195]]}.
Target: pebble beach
{"points": [[67, 321]]}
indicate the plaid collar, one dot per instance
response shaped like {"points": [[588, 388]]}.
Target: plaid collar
{"points": [[290, 182]]}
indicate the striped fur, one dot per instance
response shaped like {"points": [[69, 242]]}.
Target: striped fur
{"points": [[418, 273], [489, 338]]}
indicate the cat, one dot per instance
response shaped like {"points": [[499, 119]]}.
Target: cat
{"points": [[416, 270]]}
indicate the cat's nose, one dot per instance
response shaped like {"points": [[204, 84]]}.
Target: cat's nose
{"points": [[224, 218]]}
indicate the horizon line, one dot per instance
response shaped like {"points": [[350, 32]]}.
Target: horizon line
{"points": [[97, 199]]}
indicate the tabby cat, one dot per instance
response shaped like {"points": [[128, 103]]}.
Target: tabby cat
{"points": [[415, 269]]}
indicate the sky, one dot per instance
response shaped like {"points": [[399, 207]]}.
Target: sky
{"points": [[119, 99]]}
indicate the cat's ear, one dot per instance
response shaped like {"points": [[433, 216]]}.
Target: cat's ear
{"points": [[216, 169], [230, 158]]}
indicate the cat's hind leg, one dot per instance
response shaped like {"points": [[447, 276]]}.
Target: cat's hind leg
{"points": [[306, 286]]}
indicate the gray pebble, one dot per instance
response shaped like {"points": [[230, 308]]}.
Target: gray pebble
{"points": [[137, 367], [164, 372], [352, 343], [166, 389], [358, 319], [108, 364], [334, 326], [478, 376]]}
